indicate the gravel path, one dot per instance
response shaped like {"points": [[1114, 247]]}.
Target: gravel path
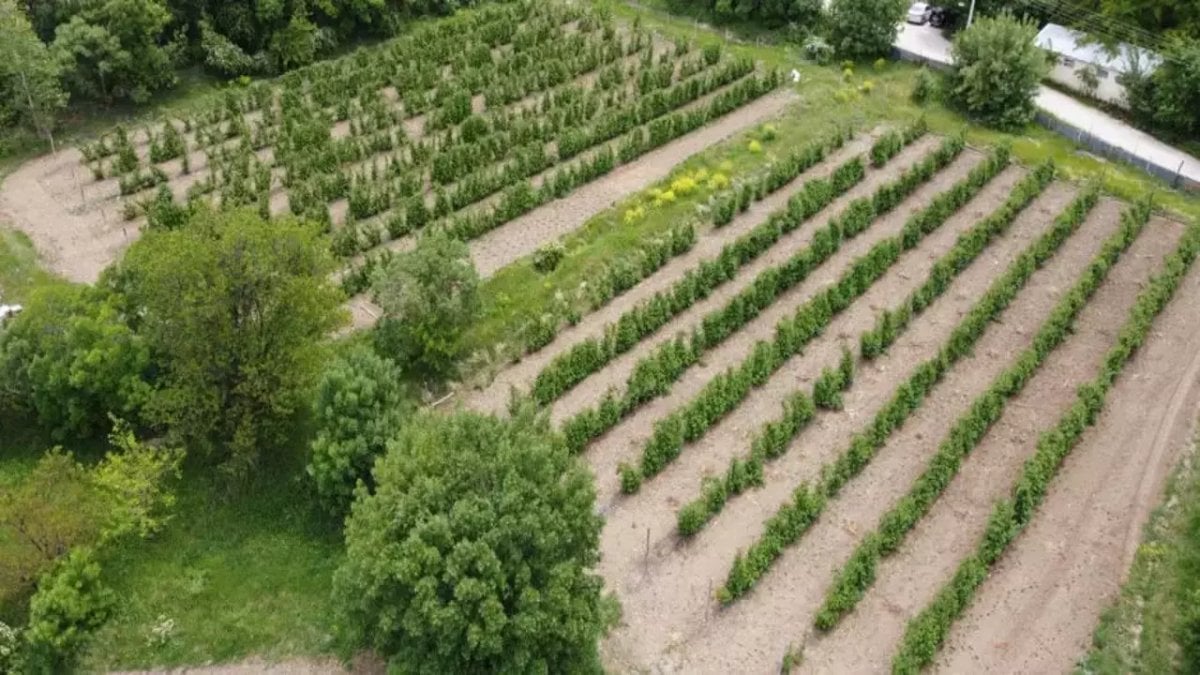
{"points": [[625, 441], [1037, 610], [908, 580], [758, 627], [494, 397], [592, 390]]}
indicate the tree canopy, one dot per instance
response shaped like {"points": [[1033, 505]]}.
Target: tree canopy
{"points": [[864, 29], [31, 92], [997, 70], [234, 310], [429, 295], [473, 554]]}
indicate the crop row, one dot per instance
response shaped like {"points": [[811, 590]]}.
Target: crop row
{"points": [[591, 355], [726, 391], [927, 631], [653, 375], [775, 436], [794, 518], [968, 431]]}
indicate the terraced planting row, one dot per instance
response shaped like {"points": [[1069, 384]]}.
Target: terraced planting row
{"points": [[816, 430]]}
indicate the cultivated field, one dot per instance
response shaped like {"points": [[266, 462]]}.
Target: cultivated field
{"points": [[891, 402], [838, 410]]}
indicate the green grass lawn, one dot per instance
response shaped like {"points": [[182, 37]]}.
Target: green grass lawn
{"points": [[1142, 632], [249, 573]]}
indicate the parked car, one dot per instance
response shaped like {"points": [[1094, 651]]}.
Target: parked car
{"points": [[918, 13], [939, 17]]}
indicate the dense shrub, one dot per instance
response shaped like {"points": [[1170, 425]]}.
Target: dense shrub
{"points": [[997, 70]]}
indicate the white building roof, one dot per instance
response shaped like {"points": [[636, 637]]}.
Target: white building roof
{"points": [[1074, 44]]}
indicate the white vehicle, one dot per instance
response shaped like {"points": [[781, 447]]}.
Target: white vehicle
{"points": [[918, 13]]}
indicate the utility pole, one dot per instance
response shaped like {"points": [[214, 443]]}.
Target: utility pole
{"points": [[971, 14]]}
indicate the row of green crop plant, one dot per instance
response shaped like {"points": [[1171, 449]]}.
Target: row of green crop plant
{"points": [[776, 435], [723, 207], [533, 158], [889, 323], [858, 573], [795, 517], [589, 356], [363, 73], [654, 374], [927, 631], [892, 142], [727, 391]]}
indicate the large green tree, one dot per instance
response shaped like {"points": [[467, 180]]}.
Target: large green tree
{"points": [[31, 90], [997, 70], [115, 49], [1168, 98], [864, 29], [360, 404], [474, 553], [235, 310], [429, 295], [71, 358]]}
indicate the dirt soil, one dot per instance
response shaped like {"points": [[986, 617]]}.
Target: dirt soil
{"points": [[1037, 610]]}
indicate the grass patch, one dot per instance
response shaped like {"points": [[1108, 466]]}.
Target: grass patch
{"points": [[1156, 610], [20, 270], [244, 574]]}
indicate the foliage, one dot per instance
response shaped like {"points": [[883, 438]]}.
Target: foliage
{"points": [[429, 295], [136, 480], [546, 258], [114, 49], [234, 310], [360, 405], [474, 552], [864, 29], [925, 88], [927, 631], [71, 359], [30, 90], [997, 70], [772, 13], [71, 603], [1169, 97]]}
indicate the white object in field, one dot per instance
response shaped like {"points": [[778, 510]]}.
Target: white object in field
{"points": [[7, 311], [795, 75]]}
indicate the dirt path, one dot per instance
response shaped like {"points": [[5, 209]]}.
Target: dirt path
{"points": [[667, 600], [494, 397], [363, 665], [1037, 610], [908, 580], [655, 506], [624, 442], [751, 635]]}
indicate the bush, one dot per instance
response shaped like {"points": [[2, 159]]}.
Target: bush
{"points": [[864, 29], [359, 406], [546, 258], [925, 88], [997, 70], [483, 534], [70, 604]]}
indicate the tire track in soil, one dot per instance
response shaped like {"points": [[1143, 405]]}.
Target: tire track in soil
{"points": [[624, 441], [908, 579], [750, 635], [655, 506], [1038, 607], [494, 397]]}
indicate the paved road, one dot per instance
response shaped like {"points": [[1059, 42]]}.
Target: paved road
{"points": [[927, 43]]}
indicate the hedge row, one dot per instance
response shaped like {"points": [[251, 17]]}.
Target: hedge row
{"points": [[968, 431], [774, 438], [588, 357], [653, 375], [889, 324], [928, 630], [891, 143], [794, 518], [726, 391]]}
